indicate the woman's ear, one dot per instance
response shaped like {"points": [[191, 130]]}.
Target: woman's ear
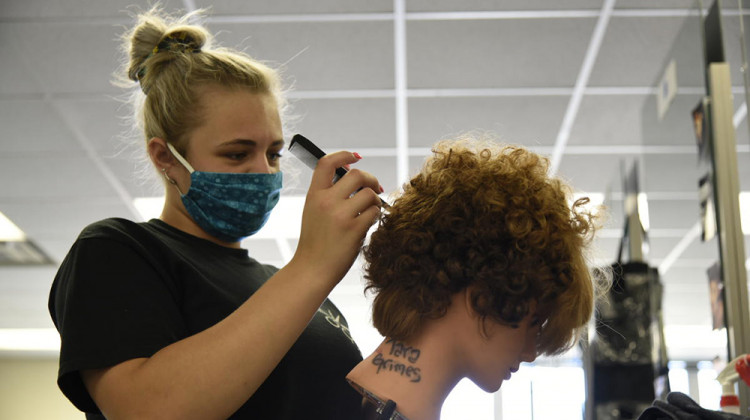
{"points": [[159, 154]]}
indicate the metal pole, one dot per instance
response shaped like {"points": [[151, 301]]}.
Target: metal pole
{"points": [[731, 240]]}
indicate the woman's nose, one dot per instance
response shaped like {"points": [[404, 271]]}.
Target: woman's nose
{"points": [[261, 165]]}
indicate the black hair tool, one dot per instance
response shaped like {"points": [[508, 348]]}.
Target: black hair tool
{"points": [[306, 151]]}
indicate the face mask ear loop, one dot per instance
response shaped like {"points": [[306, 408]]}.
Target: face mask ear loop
{"points": [[180, 158], [184, 163]]}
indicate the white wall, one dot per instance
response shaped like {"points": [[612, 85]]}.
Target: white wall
{"points": [[28, 391]]}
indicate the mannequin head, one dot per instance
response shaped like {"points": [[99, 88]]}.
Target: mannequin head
{"points": [[487, 221]]}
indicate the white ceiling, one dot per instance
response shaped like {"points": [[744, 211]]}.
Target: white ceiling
{"points": [[570, 79]]}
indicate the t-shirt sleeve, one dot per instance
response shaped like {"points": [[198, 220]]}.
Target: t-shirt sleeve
{"points": [[111, 302]]}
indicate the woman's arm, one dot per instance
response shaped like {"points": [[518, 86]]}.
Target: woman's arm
{"points": [[212, 373]]}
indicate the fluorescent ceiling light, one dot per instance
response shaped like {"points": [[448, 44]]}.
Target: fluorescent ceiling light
{"points": [[9, 232], [29, 339]]}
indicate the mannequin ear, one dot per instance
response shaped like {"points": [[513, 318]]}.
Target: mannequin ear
{"points": [[159, 154], [468, 304], [472, 315]]}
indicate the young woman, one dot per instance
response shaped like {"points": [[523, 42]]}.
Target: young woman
{"points": [[477, 267], [171, 319]]}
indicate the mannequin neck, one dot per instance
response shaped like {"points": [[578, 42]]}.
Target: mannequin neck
{"points": [[420, 372], [417, 375]]}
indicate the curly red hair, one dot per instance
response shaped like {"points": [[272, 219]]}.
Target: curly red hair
{"points": [[487, 217]]}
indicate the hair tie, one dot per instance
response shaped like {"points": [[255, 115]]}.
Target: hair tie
{"points": [[181, 42]]}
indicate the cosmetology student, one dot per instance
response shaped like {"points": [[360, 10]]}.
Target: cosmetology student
{"points": [[479, 265], [171, 318]]}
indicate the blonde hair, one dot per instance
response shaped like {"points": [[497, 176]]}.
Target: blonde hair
{"points": [[488, 218], [172, 60]]}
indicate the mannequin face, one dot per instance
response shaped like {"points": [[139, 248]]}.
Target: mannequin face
{"points": [[502, 350]]}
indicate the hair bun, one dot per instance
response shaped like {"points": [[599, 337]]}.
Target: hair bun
{"points": [[157, 32]]}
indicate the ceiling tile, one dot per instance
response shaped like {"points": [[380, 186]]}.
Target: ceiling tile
{"points": [[670, 215], [527, 120], [676, 127], [106, 124], [490, 5], [384, 169], [332, 124], [496, 53], [51, 9], [661, 4], [319, 55], [14, 62], [51, 176], [670, 173], [297, 176], [261, 7], [593, 173], [633, 51], [661, 247], [137, 176], [733, 47], [34, 126], [59, 68], [608, 120]]}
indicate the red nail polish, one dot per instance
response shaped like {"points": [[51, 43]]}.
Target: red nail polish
{"points": [[382, 189], [356, 155]]}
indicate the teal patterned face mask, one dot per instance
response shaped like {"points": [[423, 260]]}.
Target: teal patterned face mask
{"points": [[230, 206]]}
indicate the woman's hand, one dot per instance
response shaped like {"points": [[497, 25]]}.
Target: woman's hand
{"points": [[335, 222]]}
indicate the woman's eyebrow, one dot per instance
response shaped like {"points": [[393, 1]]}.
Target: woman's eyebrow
{"points": [[250, 142]]}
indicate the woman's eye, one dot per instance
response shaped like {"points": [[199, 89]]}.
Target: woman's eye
{"points": [[273, 157], [236, 156]]}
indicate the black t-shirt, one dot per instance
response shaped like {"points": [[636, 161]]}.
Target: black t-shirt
{"points": [[125, 290]]}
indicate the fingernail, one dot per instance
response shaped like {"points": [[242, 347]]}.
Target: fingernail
{"points": [[382, 189], [347, 167], [356, 155]]}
